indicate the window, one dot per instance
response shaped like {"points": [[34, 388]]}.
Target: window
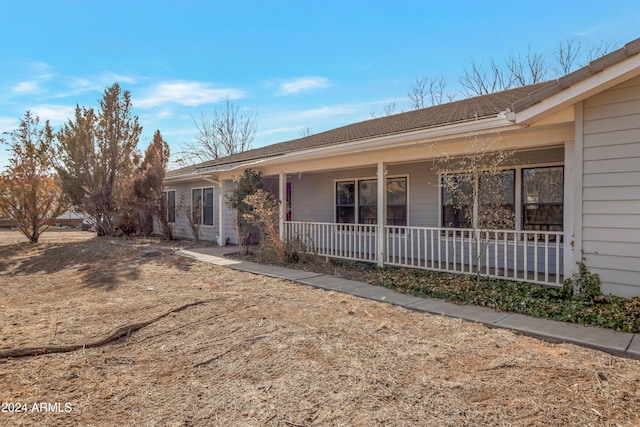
{"points": [[543, 198], [207, 213], [368, 201], [202, 205], [345, 202], [196, 205], [170, 205], [457, 199], [365, 202], [397, 201], [495, 200]]}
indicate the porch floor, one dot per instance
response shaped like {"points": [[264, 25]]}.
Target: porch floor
{"points": [[607, 340]]}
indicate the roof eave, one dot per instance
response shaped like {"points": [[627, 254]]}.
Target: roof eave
{"points": [[565, 96], [422, 136]]}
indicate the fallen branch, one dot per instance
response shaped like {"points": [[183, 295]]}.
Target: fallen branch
{"points": [[122, 331]]}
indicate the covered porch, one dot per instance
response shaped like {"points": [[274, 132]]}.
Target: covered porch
{"points": [[351, 214]]}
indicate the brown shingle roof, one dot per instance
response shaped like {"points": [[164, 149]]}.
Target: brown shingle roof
{"points": [[439, 115], [594, 67], [475, 108]]}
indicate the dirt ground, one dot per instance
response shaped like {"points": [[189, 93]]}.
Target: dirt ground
{"points": [[265, 352]]}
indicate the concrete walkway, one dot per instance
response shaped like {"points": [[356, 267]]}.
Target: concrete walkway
{"points": [[607, 340]]}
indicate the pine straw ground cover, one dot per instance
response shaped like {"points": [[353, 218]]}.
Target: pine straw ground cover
{"points": [[266, 352]]}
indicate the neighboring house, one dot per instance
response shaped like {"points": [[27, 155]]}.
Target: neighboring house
{"points": [[68, 219], [574, 188]]}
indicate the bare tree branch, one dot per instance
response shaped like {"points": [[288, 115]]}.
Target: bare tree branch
{"points": [[229, 130]]}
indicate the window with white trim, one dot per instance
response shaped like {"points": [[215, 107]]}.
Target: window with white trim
{"points": [[169, 201], [357, 201], [493, 193], [202, 205], [543, 198], [540, 199]]}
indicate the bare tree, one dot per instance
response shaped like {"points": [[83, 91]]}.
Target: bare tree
{"points": [[597, 50], [528, 70], [229, 130], [305, 131], [566, 56], [480, 80], [427, 91], [477, 196], [388, 109]]}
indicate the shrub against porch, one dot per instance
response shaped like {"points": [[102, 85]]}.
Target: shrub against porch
{"points": [[503, 295]]}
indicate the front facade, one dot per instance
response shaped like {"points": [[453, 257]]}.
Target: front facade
{"points": [[379, 191]]}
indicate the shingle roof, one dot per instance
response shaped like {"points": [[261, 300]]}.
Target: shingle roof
{"points": [[439, 115], [594, 67], [475, 108]]}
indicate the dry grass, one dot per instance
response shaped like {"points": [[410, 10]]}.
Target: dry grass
{"points": [[263, 351]]}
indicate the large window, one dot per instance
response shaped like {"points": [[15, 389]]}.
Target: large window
{"points": [[542, 198], [492, 192], [539, 199], [202, 205], [357, 201]]}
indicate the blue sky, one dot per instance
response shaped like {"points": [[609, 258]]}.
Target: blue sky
{"points": [[297, 64]]}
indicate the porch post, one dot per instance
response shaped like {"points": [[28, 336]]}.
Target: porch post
{"points": [[222, 239], [573, 196], [382, 213], [282, 187]]}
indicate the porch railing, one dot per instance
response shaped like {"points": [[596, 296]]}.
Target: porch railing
{"points": [[348, 241], [528, 256]]}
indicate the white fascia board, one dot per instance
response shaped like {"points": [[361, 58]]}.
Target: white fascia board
{"points": [[480, 126], [178, 178], [493, 124], [597, 83]]}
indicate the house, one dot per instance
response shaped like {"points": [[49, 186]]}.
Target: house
{"points": [[374, 191]]}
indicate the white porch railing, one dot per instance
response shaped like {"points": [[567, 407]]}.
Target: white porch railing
{"points": [[528, 256], [348, 241]]}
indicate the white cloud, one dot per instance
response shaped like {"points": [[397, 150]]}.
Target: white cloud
{"points": [[120, 78], [7, 124], [56, 114], [280, 130], [191, 94], [304, 83], [26, 87], [309, 116]]}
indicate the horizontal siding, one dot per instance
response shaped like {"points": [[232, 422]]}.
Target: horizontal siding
{"points": [[608, 234], [621, 93], [607, 152], [618, 109], [619, 137], [611, 193], [611, 208], [611, 187], [625, 263], [612, 124], [181, 229], [629, 164], [621, 220], [611, 179], [611, 248]]}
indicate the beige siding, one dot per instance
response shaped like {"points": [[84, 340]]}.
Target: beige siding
{"points": [[611, 187], [313, 194], [181, 229]]}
